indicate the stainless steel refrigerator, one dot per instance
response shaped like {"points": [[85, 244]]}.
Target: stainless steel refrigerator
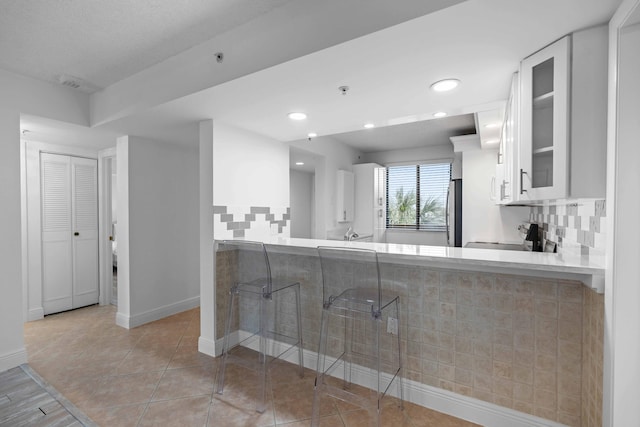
{"points": [[454, 213]]}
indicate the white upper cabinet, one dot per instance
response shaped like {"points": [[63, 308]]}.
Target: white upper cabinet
{"points": [[559, 150], [507, 167], [544, 144], [345, 196]]}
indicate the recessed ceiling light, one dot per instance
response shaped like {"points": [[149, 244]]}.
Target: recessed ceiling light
{"points": [[493, 141], [492, 125], [445, 85], [312, 134], [439, 114], [299, 163], [297, 116], [369, 126]]}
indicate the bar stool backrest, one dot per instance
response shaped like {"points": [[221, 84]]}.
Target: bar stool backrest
{"points": [[253, 262], [350, 278]]}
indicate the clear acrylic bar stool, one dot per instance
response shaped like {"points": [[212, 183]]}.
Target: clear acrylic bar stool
{"points": [[356, 317], [257, 320]]}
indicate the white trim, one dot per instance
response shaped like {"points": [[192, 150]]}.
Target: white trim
{"points": [[35, 314], [457, 405], [105, 170], [24, 231], [446, 160], [618, 370], [208, 347], [466, 142], [130, 322], [11, 360]]}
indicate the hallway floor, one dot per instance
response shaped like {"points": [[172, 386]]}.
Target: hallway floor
{"points": [[154, 375]]}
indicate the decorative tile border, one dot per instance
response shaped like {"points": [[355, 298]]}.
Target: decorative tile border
{"points": [[253, 222], [577, 226]]}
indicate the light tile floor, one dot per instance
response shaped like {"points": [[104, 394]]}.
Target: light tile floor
{"points": [[154, 375]]}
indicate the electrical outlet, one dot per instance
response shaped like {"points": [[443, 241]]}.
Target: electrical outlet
{"points": [[392, 325]]}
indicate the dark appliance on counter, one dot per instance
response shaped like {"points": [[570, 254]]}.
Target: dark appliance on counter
{"points": [[534, 237]]}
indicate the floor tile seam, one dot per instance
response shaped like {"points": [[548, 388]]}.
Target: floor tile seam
{"points": [[171, 399], [141, 416], [210, 406], [146, 408], [155, 390]]}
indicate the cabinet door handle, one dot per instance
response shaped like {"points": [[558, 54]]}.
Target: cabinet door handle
{"points": [[76, 234], [522, 173], [344, 215]]}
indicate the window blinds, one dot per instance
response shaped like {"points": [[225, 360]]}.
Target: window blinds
{"points": [[417, 195]]}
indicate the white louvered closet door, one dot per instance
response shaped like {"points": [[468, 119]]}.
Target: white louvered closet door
{"points": [[84, 217], [69, 232]]}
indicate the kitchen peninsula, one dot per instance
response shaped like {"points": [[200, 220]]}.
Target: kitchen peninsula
{"points": [[485, 332]]}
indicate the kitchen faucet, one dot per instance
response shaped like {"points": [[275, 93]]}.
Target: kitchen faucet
{"points": [[350, 234]]}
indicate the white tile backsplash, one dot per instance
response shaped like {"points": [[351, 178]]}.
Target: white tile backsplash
{"points": [[577, 225]]}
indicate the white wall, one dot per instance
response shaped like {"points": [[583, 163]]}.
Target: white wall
{"points": [[431, 238], [332, 156], [482, 219], [249, 170], [27, 96], [302, 203], [158, 199], [206, 341]]}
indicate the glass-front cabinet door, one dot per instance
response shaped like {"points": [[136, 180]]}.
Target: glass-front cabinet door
{"points": [[544, 80]]}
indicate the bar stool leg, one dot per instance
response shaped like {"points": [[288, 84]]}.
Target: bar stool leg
{"points": [[262, 357], [233, 293], [377, 321], [349, 325], [400, 365], [322, 351], [300, 345]]}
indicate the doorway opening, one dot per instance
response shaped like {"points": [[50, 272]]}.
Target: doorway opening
{"points": [[113, 237], [302, 193]]}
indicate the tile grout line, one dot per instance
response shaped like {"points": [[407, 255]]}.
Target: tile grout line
{"points": [[146, 408]]}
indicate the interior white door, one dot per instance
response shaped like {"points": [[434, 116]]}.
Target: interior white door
{"points": [[84, 202], [57, 253], [69, 232]]}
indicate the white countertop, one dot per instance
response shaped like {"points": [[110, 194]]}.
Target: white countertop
{"points": [[588, 270]]}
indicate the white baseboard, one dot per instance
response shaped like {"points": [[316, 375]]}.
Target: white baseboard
{"points": [[35, 314], [122, 320], [207, 347], [11, 360], [156, 313], [457, 405]]}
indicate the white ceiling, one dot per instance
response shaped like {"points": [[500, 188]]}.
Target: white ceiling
{"points": [[103, 42], [389, 71], [480, 42]]}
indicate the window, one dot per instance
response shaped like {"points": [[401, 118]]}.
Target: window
{"points": [[417, 196]]}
